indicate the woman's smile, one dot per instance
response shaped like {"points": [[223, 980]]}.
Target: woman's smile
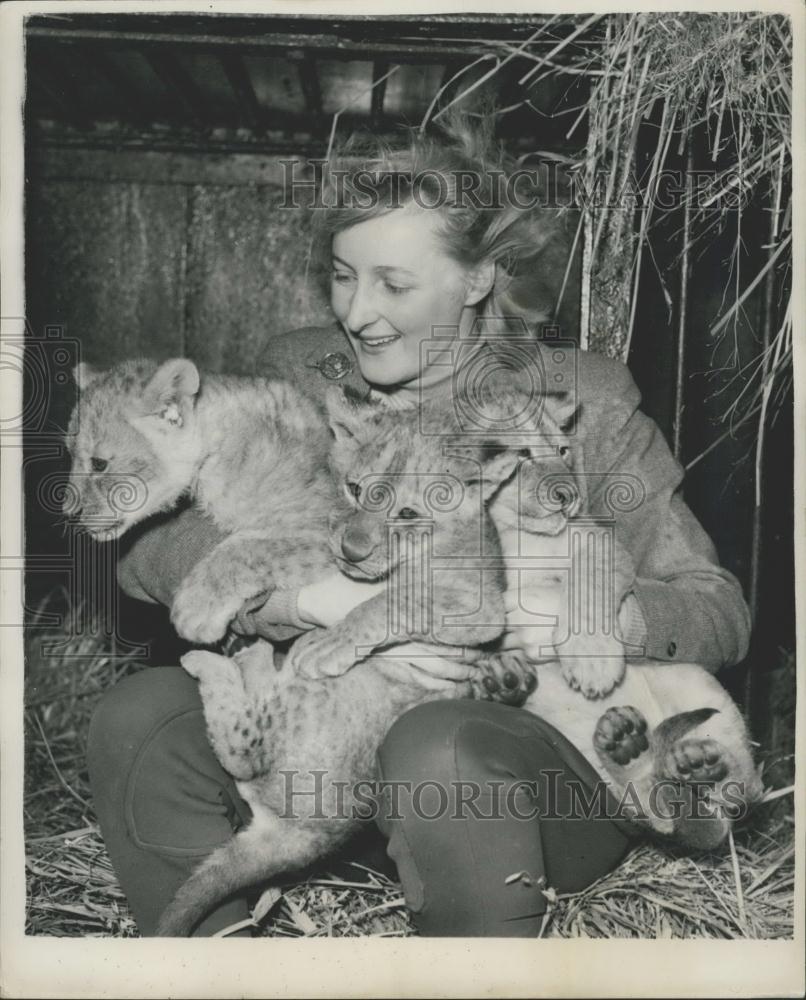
{"points": [[376, 344], [393, 289]]}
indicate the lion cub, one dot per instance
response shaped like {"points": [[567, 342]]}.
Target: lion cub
{"points": [[418, 494], [252, 452]]}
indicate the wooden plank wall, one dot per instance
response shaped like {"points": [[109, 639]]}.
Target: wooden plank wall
{"points": [[136, 254]]}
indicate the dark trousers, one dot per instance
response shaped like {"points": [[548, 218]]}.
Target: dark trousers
{"points": [[463, 825]]}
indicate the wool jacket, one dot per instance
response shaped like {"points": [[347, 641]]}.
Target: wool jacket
{"points": [[683, 605]]}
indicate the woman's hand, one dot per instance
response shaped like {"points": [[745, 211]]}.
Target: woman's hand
{"points": [[331, 599]]}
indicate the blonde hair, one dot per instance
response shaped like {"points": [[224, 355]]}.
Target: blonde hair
{"points": [[529, 246]]}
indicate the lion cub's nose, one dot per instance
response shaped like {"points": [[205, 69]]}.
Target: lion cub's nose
{"points": [[356, 544]]}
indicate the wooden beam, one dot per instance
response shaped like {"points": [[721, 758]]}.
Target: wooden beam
{"points": [[285, 132], [62, 103], [177, 81], [128, 100], [241, 84], [328, 46], [311, 89], [143, 166]]}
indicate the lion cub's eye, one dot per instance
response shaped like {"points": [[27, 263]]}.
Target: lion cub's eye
{"points": [[407, 513], [98, 464], [353, 489]]}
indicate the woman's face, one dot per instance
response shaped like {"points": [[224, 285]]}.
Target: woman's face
{"points": [[391, 286]]}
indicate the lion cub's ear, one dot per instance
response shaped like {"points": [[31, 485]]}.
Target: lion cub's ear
{"points": [[498, 461], [490, 463], [172, 389], [564, 410], [346, 415]]}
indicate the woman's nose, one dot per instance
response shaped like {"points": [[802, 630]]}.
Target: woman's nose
{"points": [[362, 312]]}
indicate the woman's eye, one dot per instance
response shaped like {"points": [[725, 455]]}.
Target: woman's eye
{"points": [[98, 464], [395, 289], [354, 490], [407, 513], [341, 277]]}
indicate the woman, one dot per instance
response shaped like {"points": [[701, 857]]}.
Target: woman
{"points": [[414, 286]]}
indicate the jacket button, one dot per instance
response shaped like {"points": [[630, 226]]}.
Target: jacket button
{"points": [[672, 648]]}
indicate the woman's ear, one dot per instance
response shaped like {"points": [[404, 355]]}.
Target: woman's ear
{"points": [[481, 280]]}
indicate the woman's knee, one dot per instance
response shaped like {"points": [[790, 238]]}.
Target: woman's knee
{"points": [[137, 702], [465, 739], [151, 765], [449, 739], [131, 709]]}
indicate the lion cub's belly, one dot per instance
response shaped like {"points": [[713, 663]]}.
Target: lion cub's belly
{"points": [[657, 690]]}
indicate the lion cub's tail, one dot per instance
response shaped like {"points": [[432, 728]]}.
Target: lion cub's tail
{"points": [[261, 851]]}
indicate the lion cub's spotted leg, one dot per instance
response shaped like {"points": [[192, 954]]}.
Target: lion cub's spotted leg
{"points": [[236, 724]]}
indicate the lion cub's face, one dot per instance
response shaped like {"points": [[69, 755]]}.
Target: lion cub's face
{"points": [[401, 477], [132, 444]]}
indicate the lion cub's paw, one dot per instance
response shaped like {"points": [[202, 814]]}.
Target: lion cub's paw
{"points": [[219, 678], [506, 676], [201, 617], [593, 665], [693, 760], [326, 652], [621, 735], [202, 664]]}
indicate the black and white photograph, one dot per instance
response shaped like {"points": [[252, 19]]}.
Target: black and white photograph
{"points": [[400, 425]]}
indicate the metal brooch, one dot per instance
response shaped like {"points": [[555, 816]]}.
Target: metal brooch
{"points": [[333, 366]]}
